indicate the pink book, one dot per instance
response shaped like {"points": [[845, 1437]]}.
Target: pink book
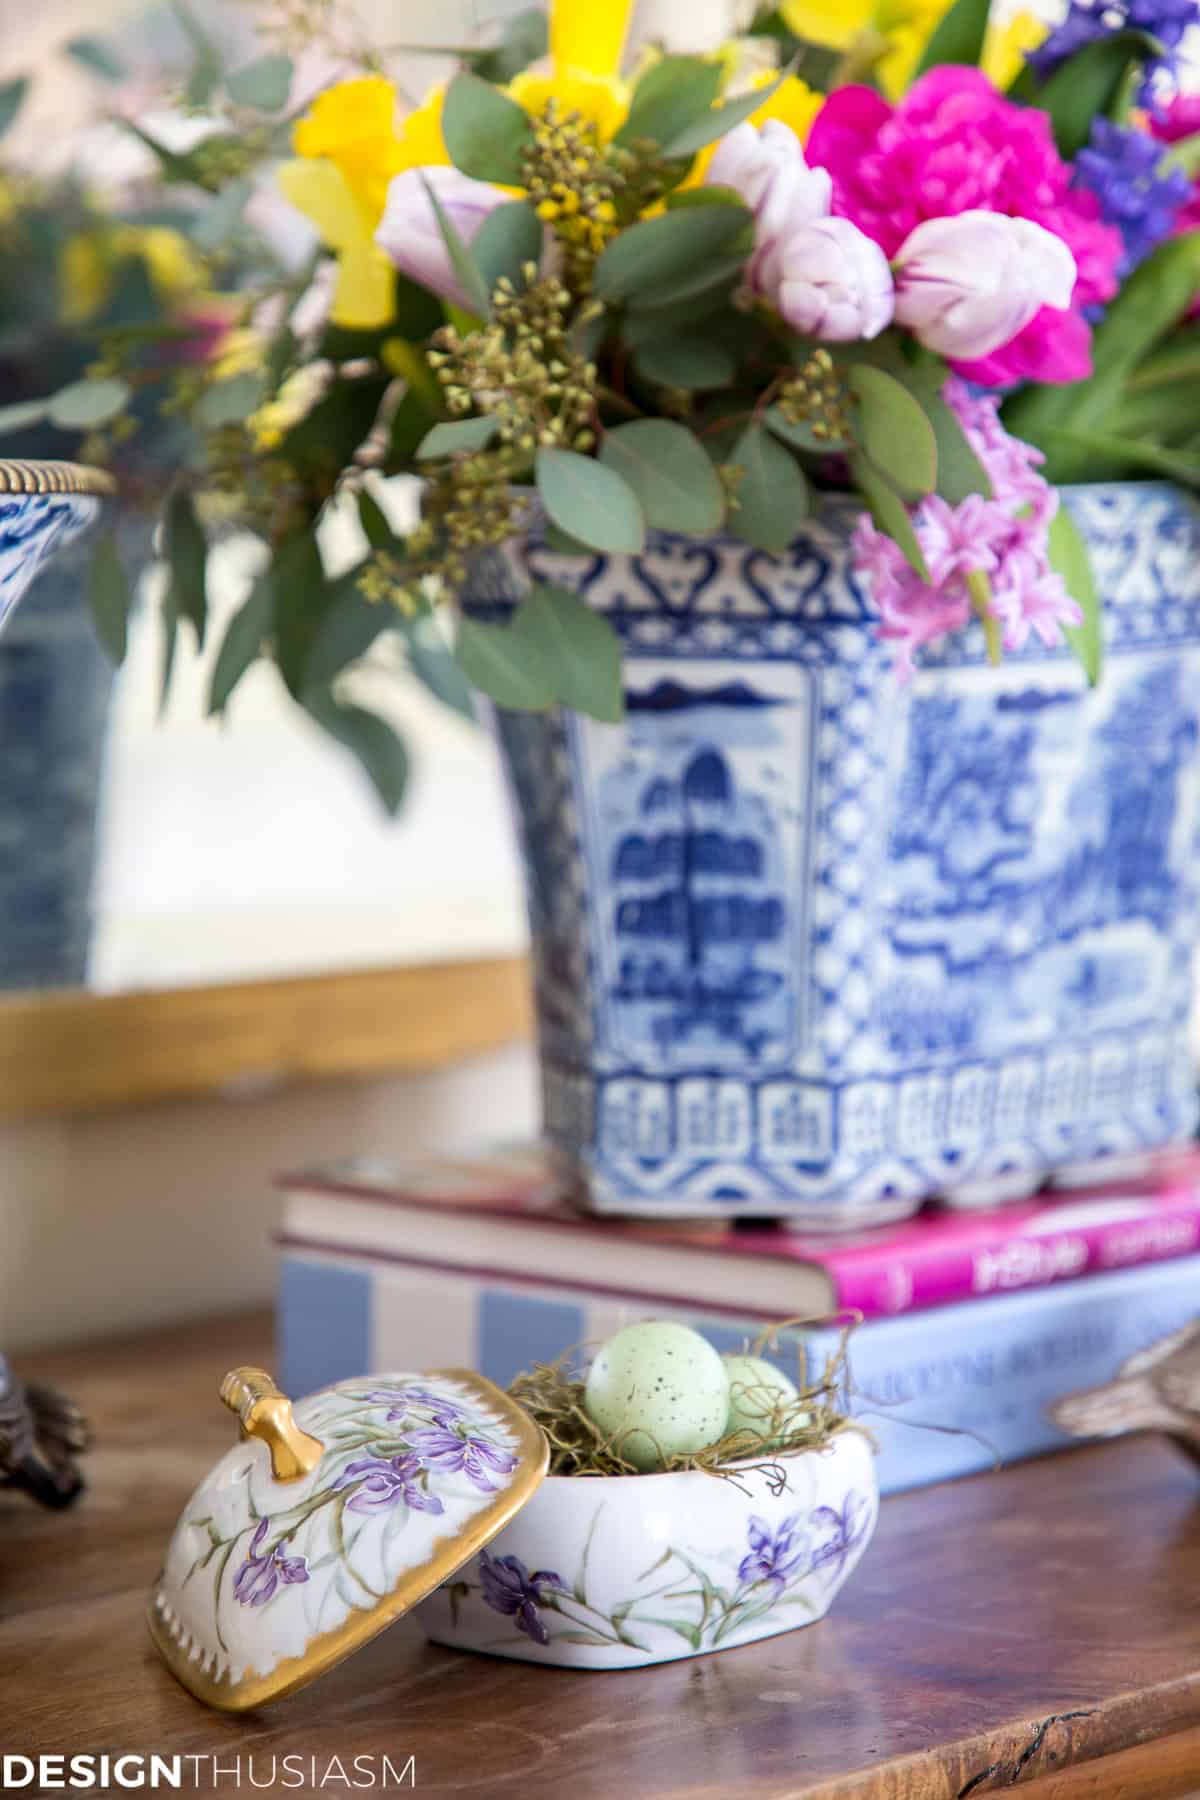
{"points": [[503, 1213]]}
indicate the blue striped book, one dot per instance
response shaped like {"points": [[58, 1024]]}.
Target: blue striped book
{"points": [[930, 1385]]}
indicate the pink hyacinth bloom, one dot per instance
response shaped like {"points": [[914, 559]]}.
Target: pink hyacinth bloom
{"points": [[834, 282], [954, 145], [968, 283], [1002, 536], [766, 166]]}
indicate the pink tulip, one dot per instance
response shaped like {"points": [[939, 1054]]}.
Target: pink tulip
{"points": [[766, 166], [409, 232], [834, 282], [966, 284]]}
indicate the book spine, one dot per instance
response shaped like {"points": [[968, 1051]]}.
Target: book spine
{"points": [[944, 1393], [936, 1270]]}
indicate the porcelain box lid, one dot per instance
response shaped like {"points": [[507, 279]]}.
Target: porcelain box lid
{"points": [[330, 1520]]}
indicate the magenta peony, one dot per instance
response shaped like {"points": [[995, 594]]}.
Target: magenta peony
{"points": [[955, 145], [1002, 536], [766, 167], [834, 282], [968, 283]]}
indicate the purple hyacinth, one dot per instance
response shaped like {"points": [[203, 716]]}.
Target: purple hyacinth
{"points": [[848, 1527], [1088, 20], [509, 1588], [260, 1575], [1123, 169], [438, 1446], [774, 1557], [383, 1482]]}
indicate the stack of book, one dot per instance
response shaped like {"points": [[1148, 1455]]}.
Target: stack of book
{"points": [[972, 1323]]}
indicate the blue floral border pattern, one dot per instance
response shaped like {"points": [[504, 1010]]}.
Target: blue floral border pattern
{"points": [[32, 528], [986, 883]]}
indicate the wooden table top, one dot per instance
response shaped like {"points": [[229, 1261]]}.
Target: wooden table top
{"points": [[1038, 1626]]}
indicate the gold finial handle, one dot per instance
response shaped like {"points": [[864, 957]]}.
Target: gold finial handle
{"points": [[266, 1413]]}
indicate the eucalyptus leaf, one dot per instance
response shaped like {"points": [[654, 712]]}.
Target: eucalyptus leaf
{"points": [[674, 92], [694, 295], [721, 119], [97, 56], [84, 404], [580, 648], [668, 249], [888, 510], [511, 669], [958, 37], [894, 430], [691, 363], [510, 238], [230, 402], [799, 433], [772, 495], [590, 502], [562, 543], [373, 520], [242, 643], [186, 550], [670, 473], [109, 597], [263, 84], [222, 216], [1088, 85], [959, 470], [470, 277], [1069, 556], [12, 98], [431, 661], [207, 64], [455, 435], [370, 738], [300, 597], [346, 630], [22, 414], [522, 41], [485, 132]]}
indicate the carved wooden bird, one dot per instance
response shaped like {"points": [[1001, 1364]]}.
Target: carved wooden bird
{"points": [[1156, 1390], [42, 1434]]}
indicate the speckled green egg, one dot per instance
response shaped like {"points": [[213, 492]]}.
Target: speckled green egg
{"points": [[756, 1388], [663, 1385]]}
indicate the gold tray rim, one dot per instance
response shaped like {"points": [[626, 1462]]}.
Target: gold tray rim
{"points": [[20, 476]]}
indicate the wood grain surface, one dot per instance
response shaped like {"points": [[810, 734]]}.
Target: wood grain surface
{"points": [[74, 1052], [1038, 1627]]}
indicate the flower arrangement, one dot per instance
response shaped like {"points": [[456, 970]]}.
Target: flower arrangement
{"points": [[883, 247]]}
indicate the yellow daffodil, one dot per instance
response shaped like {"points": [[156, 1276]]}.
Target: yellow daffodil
{"points": [[1008, 45], [353, 125], [89, 260], [893, 35], [420, 143], [365, 293]]}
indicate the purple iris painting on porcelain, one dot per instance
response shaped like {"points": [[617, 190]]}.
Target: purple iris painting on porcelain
{"points": [[33, 527], [811, 940], [632, 1570]]}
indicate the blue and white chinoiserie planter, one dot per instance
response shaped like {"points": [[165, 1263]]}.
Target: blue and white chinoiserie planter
{"points": [[43, 505], [809, 942]]}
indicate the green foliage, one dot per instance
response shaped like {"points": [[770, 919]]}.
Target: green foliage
{"points": [[894, 431], [323, 444], [670, 249], [720, 119], [466, 269], [347, 627], [230, 402], [554, 650], [959, 470], [772, 495], [1089, 85], [432, 662], [888, 510], [1068, 554], [97, 56], [243, 642], [263, 84], [691, 363], [509, 239], [84, 404], [12, 98], [456, 435], [503, 663], [299, 599], [369, 738], [21, 415], [590, 501], [522, 41], [666, 468], [207, 62], [109, 597], [186, 550], [222, 216], [672, 95], [486, 133], [799, 434], [958, 36]]}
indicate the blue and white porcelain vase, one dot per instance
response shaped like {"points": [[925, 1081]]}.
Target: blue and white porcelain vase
{"points": [[43, 506], [809, 942]]}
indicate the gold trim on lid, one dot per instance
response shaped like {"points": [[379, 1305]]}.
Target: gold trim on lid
{"points": [[266, 1413], [19, 477]]}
